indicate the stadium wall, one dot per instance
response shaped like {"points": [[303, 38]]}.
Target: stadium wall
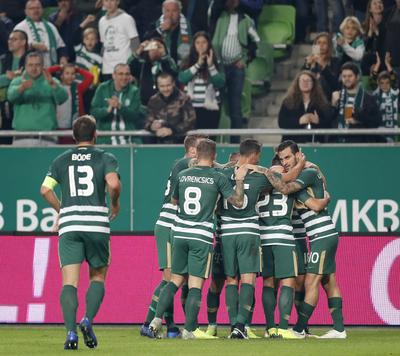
{"points": [[367, 271], [362, 181]]}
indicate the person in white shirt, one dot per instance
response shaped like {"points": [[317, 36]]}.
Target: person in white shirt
{"points": [[119, 36], [43, 36]]}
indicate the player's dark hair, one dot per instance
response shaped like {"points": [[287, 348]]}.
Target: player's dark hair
{"points": [[206, 149], [84, 128], [275, 161], [192, 141], [288, 143], [350, 66], [249, 146]]}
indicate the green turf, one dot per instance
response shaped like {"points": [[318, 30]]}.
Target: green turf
{"points": [[23, 340]]}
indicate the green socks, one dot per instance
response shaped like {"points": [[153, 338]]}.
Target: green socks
{"points": [[269, 304], [94, 297], [184, 294], [166, 298], [232, 300], [69, 305], [305, 313], [285, 306], [154, 301], [192, 308], [250, 319], [335, 305], [212, 306], [245, 302], [298, 299], [169, 315]]}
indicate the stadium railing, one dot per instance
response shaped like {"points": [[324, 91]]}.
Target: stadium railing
{"points": [[222, 132]]}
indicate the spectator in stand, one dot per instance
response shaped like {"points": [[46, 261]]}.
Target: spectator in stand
{"points": [[87, 56], [322, 63], [203, 81], [35, 95], [375, 32], [252, 8], [68, 20], [321, 14], [348, 43], [175, 30], [150, 59], [305, 107], [11, 65], [171, 113], [392, 22], [235, 42], [119, 36], [14, 9], [386, 95], [68, 111], [43, 36], [116, 105], [196, 12], [355, 107]]}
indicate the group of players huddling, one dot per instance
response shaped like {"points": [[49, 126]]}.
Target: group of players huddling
{"points": [[261, 218]]}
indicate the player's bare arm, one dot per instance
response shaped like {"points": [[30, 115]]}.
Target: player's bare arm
{"points": [[292, 174], [114, 189], [317, 204], [238, 198], [50, 197]]}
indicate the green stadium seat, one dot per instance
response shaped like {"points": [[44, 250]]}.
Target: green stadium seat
{"points": [[276, 25], [365, 82], [47, 11]]}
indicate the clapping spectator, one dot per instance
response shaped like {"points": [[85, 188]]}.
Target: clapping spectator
{"points": [[67, 20], [203, 81], [150, 59], [175, 30], [11, 66], [305, 106], [235, 42], [375, 32], [116, 105], [43, 36], [171, 113], [119, 36], [68, 111], [355, 107], [392, 22], [348, 43], [325, 66], [35, 95]]}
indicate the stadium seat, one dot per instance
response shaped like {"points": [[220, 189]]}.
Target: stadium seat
{"points": [[365, 82], [260, 70], [276, 25]]}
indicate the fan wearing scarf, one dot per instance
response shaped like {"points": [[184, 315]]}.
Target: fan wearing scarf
{"points": [[356, 108], [175, 30], [43, 36]]}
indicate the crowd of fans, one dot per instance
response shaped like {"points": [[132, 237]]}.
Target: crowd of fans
{"points": [[166, 66]]}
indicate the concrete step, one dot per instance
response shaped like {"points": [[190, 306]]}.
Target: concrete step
{"points": [[260, 105], [302, 50]]}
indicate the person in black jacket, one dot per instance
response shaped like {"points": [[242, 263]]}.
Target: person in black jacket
{"points": [[305, 106], [354, 106], [323, 64], [149, 60], [11, 65]]}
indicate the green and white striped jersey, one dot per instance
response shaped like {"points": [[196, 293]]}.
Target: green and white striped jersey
{"points": [[299, 230], [81, 172], [242, 221], [318, 225], [197, 191], [275, 210], [168, 210]]}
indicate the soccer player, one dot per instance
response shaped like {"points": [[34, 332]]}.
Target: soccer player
{"points": [[196, 193], [323, 245], [279, 258], [162, 232], [83, 174]]}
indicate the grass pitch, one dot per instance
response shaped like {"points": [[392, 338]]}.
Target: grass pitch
{"points": [[118, 340]]}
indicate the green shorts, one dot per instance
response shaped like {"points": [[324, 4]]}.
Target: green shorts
{"points": [[217, 268], [302, 256], [321, 259], [279, 261], [241, 254], [76, 247], [163, 242], [191, 257]]}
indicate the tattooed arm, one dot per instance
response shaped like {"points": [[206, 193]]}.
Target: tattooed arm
{"points": [[238, 198]]}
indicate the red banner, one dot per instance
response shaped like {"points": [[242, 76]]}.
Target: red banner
{"points": [[368, 270]]}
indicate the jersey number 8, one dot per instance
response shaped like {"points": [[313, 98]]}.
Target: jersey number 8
{"points": [[192, 206]]}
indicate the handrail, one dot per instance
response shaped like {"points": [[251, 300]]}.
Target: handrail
{"points": [[218, 132]]}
